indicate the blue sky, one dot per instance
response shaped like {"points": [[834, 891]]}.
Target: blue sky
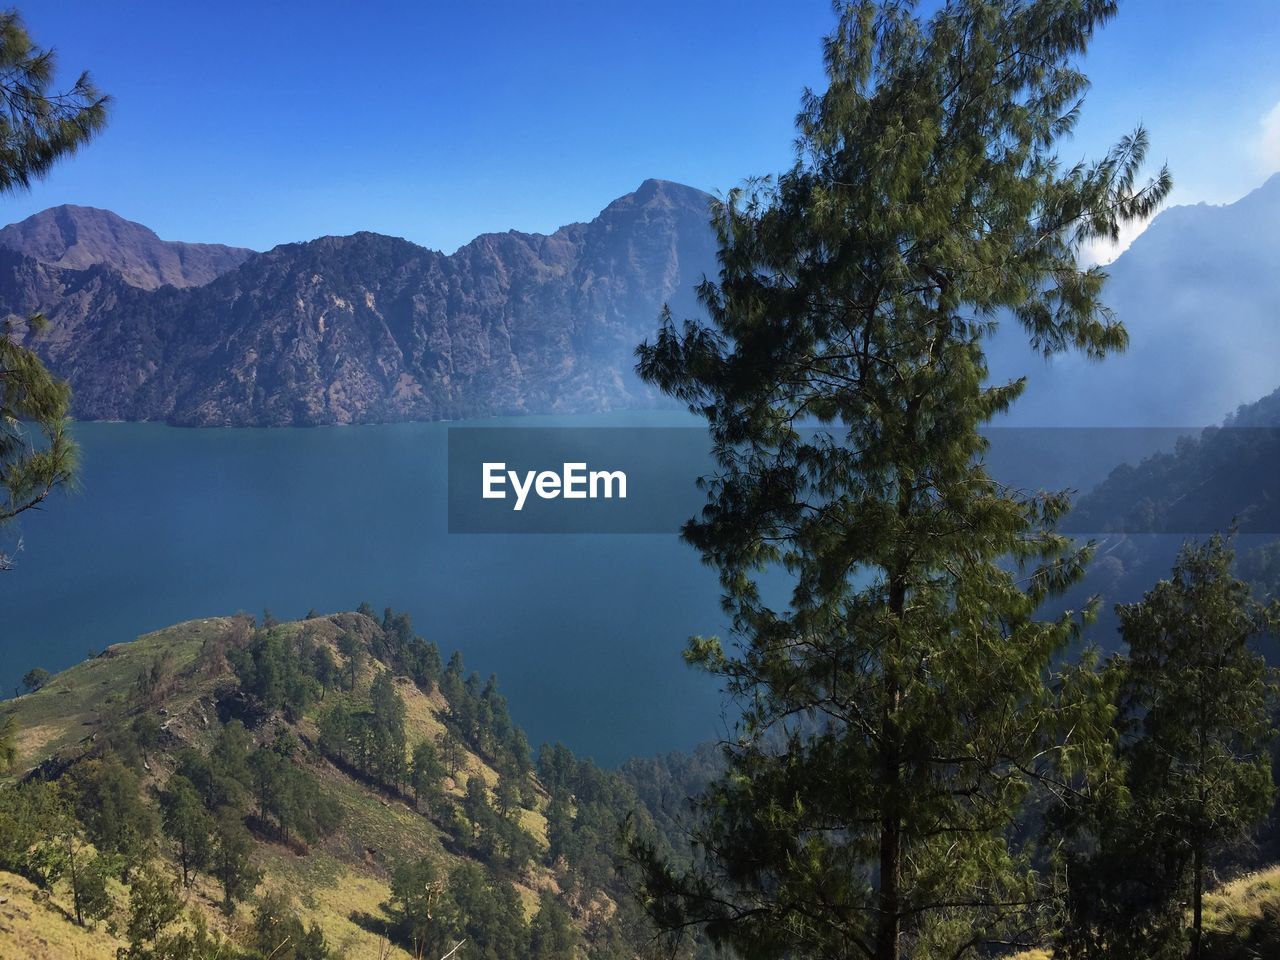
{"points": [[262, 123]]}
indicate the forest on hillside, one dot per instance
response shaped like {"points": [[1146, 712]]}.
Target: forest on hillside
{"points": [[162, 783]]}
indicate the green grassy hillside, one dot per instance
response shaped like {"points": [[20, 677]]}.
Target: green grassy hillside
{"points": [[476, 820]]}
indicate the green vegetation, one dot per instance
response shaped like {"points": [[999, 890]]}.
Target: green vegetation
{"points": [[207, 789], [192, 777], [279, 933], [1190, 773], [434, 916], [8, 743], [426, 774], [230, 864], [1200, 696], [158, 929], [921, 769], [902, 709], [274, 672], [188, 824], [106, 799], [1223, 475]]}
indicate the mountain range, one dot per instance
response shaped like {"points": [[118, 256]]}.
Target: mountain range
{"points": [[369, 328], [356, 329]]}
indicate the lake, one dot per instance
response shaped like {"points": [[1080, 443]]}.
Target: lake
{"points": [[583, 631]]}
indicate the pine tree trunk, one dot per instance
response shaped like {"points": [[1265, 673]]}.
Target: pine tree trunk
{"points": [[75, 881], [889, 934], [890, 926], [1197, 896]]}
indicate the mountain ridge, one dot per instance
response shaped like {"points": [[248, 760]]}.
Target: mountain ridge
{"points": [[367, 328], [78, 237]]}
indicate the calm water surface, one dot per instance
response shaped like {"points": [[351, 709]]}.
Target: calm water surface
{"points": [[584, 632]]}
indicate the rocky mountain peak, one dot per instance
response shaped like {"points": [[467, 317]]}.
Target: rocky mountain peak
{"points": [[78, 237]]}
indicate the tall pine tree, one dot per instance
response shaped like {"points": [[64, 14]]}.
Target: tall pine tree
{"points": [[897, 707]]}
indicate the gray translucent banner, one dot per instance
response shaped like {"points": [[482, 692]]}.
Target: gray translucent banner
{"points": [[645, 479]]}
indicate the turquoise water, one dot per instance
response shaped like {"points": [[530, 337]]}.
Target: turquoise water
{"points": [[583, 631]]}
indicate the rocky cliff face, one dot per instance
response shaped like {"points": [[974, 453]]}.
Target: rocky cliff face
{"points": [[81, 237], [369, 328]]}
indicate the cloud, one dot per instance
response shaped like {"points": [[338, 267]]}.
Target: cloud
{"points": [[1104, 251], [1269, 144], [1261, 149]]}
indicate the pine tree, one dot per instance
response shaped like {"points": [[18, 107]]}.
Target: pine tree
{"points": [[352, 647], [326, 669], [897, 709], [427, 775], [280, 935], [492, 919], [230, 865], [423, 912], [87, 874], [452, 753], [1197, 698], [153, 906], [336, 731], [475, 804], [188, 824], [34, 817], [268, 779], [108, 801], [551, 934], [38, 127], [90, 894], [386, 725]]}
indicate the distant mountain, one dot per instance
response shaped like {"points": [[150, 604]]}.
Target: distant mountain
{"points": [[1212, 481], [82, 237], [1199, 292], [369, 328], [1222, 476]]}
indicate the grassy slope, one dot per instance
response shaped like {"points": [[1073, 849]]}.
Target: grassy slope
{"points": [[39, 929], [1231, 909], [59, 718], [1236, 906], [344, 875]]}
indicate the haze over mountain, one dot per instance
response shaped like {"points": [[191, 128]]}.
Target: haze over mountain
{"points": [[80, 237], [369, 328], [1224, 476], [1199, 293]]}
